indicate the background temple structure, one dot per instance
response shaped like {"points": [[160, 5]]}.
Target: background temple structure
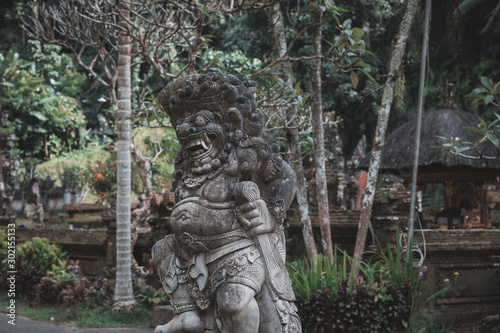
{"points": [[457, 232]]}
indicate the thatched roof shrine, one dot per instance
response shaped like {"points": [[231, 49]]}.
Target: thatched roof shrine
{"points": [[398, 151]]}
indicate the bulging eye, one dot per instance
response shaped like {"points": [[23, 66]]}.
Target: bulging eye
{"points": [[200, 121]]}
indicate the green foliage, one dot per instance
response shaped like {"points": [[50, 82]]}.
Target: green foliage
{"points": [[80, 315], [84, 292], [364, 310], [489, 133], [33, 260], [100, 175], [148, 296], [56, 68], [384, 299], [330, 301], [279, 103], [44, 121], [249, 32], [42, 275], [488, 93], [233, 62]]}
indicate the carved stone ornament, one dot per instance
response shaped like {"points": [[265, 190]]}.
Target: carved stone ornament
{"points": [[223, 267]]}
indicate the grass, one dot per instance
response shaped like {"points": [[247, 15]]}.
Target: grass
{"points": [[79, 316]]}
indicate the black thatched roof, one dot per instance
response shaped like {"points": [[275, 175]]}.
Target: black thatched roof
{"points": [[397, 154]]}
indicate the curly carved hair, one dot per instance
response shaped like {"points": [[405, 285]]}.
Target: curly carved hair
{"points": [[248, 148]]}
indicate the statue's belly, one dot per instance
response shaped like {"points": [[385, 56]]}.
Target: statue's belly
{"points": [[200, 217]]}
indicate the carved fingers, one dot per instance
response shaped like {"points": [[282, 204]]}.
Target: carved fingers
{"points": [[255, 217], [248, 214]]}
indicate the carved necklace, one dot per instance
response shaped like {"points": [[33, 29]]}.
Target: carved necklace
{"points": [[193, 182]]}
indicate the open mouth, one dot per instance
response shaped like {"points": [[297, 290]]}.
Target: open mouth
{"points": [[200, 147]]}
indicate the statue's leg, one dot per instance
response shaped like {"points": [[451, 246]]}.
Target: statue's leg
{"points": [[269, 318], [237, 308], [188, 320]]}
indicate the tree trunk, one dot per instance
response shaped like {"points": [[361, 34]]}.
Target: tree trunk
{"points": [[380, 133], [292, 134], [194, 47], [318, 137], [124, 295]]}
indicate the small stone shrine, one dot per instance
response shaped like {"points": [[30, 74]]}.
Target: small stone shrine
{"points": [[223, 267]]}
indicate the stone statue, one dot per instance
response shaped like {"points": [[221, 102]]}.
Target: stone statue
{"points": [[223, 267]]}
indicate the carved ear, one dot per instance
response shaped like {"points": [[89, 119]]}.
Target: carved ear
{"points": [[254, 124], [235, 117]]}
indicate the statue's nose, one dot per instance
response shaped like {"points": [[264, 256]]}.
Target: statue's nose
{"points": [[184, 129]]}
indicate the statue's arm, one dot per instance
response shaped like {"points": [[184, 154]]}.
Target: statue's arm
{"points": [[267, 213]]}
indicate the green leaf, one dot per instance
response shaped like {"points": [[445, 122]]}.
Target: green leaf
{"points": [[354, 79], [38, 115], [361, 63], [347, 24], [461, 149], [494, 139], [358, 30], [488, 99], [474, 129], [485, 82], [48, 100], [482, 125]]}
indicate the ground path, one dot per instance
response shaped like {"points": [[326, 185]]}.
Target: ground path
{"points": [[26, 325]]}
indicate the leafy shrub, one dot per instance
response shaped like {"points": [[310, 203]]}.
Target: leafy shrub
{"points": [[49, 291], [74, 291], [149, 296], [42, 275], [361, 310], [100, 175], [37, 110], [85, 292], [382, 300], [34, 259]]}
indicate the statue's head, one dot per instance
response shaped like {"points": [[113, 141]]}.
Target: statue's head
{"points": [[212, 115]]}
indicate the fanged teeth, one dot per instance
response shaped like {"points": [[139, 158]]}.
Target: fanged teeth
{"points": [[206, 139], [204, 145], [195, 143]]}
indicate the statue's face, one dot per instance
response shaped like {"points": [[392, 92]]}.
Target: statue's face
{"points": [[202, 136]]}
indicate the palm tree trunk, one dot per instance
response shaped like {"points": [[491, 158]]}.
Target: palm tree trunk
{"points": [[318, 136], [380, 133], [292, 135], [124, 295]]}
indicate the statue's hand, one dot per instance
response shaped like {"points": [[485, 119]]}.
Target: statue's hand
{"points": [[255, 217]]}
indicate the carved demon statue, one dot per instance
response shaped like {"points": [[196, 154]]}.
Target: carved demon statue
{"points": [[223, 267]]}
